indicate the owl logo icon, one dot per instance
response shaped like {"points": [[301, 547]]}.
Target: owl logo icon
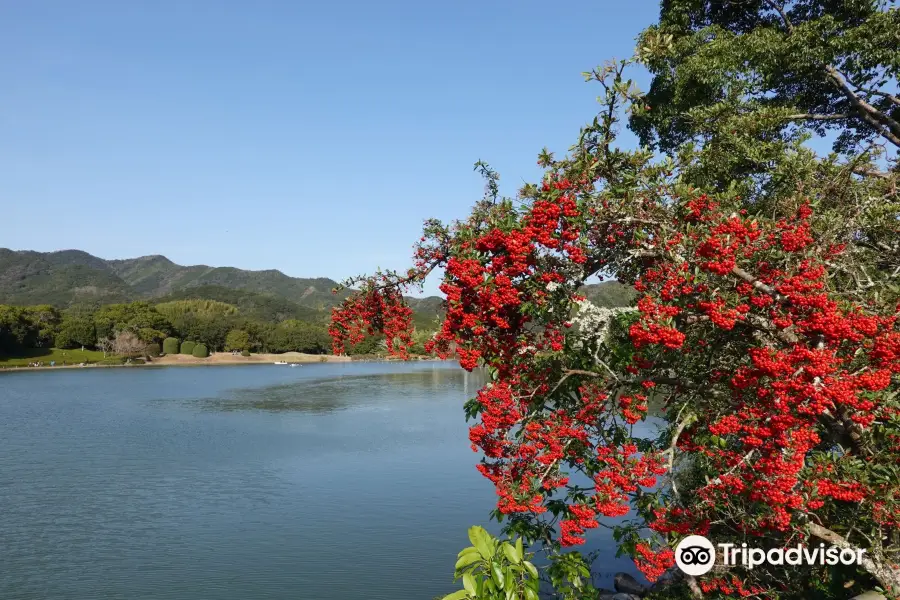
{"points": [[695, 555]]}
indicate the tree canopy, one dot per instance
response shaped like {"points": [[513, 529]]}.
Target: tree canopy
{"points": [[766, 328]]}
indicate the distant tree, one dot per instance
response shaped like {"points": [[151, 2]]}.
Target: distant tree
{"points": [[105, 345], [237, 339], [27, 327], [75, 332], [45, 321], [126, 343], [135, 317], [187, 347], [298, 336], [16, 331], [152, 350], [210, 309], [200, 351], [208, 330], [371, 344]]}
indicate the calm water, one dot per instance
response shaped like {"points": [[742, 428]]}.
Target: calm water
{"points": [[325, 482]]}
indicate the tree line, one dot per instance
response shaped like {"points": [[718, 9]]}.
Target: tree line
{"points": [[132, 327]]}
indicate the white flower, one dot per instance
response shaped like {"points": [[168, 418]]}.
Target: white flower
{"points": [[592, 322], [552, 286]]}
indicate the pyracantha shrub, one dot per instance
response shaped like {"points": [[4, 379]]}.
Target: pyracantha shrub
{"points": [[764, 344]]}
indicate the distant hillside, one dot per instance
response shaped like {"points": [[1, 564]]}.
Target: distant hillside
{"points": [[74, 277], [154, 276], [58, 278], [610, 294], [261, 307]]}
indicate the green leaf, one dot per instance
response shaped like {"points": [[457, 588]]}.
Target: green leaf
{"points": [[468, 550], [482, 540], [511, 554], [457, 595], [530, 594], [519, 549], [497, 574], [467, 559], [532, 570], [469, 583]]}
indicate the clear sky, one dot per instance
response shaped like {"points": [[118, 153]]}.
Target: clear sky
{"points": [[313, 138]]}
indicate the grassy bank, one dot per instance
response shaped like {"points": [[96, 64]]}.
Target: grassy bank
{"points": [[48, 355]]}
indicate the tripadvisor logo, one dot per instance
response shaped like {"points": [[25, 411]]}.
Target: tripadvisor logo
{"points": [[695, 555]]}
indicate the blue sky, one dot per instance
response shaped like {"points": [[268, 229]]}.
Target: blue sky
{"points": [[313, 138]]}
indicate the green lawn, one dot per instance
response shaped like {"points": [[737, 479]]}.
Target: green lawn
{"points": [[46, 355]]}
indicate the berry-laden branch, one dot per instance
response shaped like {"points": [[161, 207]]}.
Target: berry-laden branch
{"points": [[559, 426]]}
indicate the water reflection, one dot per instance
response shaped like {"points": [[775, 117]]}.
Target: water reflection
{"points": [[321, 395]]}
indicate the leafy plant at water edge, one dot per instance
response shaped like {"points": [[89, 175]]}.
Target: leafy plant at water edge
{"points": [[491, 569]]}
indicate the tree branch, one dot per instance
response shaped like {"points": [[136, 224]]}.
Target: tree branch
{"points": [[756, 283], [886, 126], [869, 172], [883, 124], [887, 575], [814, 117]]}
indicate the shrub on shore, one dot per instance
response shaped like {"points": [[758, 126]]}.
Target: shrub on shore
{"points": [[152, 350], [200, 351], [170, 346], [245, 353], [187, 347]]}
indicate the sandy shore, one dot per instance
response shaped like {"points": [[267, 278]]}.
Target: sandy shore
{"points": [[220, 358], [226, 358]]}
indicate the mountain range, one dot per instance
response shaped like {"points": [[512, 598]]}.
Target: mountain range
{"points": [[70, 277]]}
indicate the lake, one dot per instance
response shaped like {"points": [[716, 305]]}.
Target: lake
{"points": [[329, 481]]}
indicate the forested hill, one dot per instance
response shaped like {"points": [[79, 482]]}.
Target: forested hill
{"points": [[71, 277]]}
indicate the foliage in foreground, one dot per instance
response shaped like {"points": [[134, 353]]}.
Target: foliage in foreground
{"points": [[767, 320], [495, 570]]}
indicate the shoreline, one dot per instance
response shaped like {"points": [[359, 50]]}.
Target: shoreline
{"points": [[220, 359]]}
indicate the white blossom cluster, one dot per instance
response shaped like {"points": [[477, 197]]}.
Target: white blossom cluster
{"points": [[591, 322]]}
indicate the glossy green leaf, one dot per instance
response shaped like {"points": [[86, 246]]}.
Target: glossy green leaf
{"points": [[532, 570], [457, 595], [511, 554], [467, 559], [469, 583], [482, 540], [497, 574]]}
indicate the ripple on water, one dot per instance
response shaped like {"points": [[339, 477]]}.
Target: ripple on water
{"points": [[328, 482]]}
